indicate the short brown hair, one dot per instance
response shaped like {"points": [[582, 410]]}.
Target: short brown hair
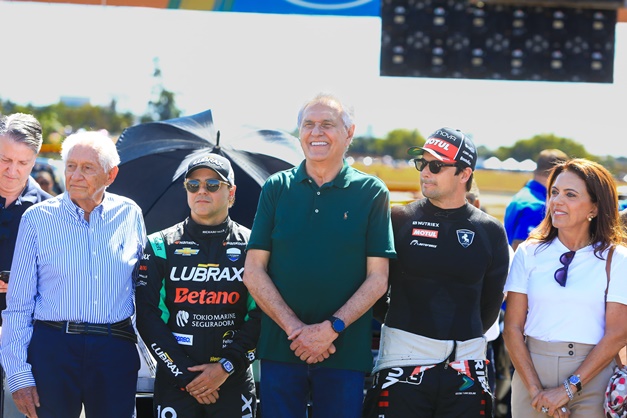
{"points": [[547, 159]]}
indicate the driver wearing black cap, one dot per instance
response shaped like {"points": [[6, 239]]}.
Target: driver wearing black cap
{"points": [[445, 292], [193, 310]]}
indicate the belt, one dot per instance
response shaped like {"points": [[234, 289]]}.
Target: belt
{"points": [[400, 348], [117, 329]]}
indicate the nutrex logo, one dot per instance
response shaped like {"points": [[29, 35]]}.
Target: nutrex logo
{"points": [[427, 233]]}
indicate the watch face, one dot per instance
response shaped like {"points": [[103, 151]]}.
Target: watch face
{"points": [[574, 380], [338, 325], [227, 365]]}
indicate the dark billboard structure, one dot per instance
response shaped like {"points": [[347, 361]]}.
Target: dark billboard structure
{"points": [[499, 39]]}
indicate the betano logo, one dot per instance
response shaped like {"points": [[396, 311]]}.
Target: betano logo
{"points": [[184, 295]]}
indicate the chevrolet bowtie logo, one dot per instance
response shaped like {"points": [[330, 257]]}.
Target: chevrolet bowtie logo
{"points": [[186, 251]]}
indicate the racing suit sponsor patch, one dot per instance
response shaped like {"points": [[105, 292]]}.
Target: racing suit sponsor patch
{"points": [[233, 254], [181, 318], [186, 251], [167, 360], [184, 295], [465, 237], [205, 273], [426, 233], [184, 339], [213, 321]]}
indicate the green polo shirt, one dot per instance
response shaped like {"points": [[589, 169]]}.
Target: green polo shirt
{"points": [[319, 239]]}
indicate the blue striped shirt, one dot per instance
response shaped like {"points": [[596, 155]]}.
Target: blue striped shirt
{"points": [[68, 269]]}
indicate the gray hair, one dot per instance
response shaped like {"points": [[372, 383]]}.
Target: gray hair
{"points": [[22, 128], [97, 140], [347, 112]]}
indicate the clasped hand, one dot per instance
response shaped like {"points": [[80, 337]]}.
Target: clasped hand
{"points": [[313, 343], [204, 388], [555, 400]]}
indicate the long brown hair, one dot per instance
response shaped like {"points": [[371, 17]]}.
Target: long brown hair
{"points": [[605, 228]]}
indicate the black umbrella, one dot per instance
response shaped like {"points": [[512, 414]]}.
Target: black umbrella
{"points": [[154, 157]]}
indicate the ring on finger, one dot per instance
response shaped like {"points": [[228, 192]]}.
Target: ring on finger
{"points": [[544, 409], [564, 409]]}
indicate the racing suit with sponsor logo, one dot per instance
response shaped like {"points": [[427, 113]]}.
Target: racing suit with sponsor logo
{"points": [[193, 309], [445, 292]]}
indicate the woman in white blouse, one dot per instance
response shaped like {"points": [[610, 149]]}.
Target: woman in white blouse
{"points": [[561, 334]]}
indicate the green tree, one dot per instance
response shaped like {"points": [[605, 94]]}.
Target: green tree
{"points": [[398, 141], [395, 144], [362, 146], [530, 148], [484, 152], [59, 120]]}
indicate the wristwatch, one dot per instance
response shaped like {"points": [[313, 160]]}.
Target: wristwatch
{"points": [[227, 366], [574, 380], [337, 324]]}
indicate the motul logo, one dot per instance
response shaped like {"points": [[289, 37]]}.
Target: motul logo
{"points": [[427, 233], [184, 295], [438, 143]]}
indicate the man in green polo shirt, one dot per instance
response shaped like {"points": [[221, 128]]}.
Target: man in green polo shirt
{"points": [[317, 261]]}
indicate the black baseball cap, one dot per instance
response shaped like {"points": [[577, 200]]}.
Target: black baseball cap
{"points": [[215, 162]]}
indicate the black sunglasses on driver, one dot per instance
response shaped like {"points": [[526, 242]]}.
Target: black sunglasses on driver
{"points": [[211, 185], [434, 166]]}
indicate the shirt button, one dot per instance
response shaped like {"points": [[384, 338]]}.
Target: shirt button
{"points": [[318, 193], [316, 210]]}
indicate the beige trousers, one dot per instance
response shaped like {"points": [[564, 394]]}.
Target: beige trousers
{"points": [[554, 362]]}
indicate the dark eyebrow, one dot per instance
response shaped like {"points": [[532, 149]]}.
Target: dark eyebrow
{"points": [[566, 190]]}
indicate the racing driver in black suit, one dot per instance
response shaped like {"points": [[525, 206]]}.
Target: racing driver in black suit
{"points": [[193, 310]]}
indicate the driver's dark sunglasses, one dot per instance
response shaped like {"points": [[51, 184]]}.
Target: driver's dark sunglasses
{"points": [[212, 185], [434, 166]]}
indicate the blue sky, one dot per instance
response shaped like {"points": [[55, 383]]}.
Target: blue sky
{"points": [[257, 69]]}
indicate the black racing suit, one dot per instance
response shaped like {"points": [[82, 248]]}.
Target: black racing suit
{"points": [[193, 309], [447, 285]]}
